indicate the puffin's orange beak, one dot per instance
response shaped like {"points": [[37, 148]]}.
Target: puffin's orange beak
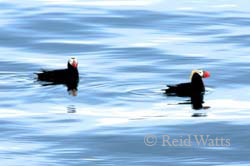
{"points": [[74, 64], [206, 74]]}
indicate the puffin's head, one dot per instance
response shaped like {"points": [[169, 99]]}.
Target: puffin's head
{"points": [[202, 73], [73, 62]]}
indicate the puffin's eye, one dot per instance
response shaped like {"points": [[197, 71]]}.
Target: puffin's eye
{"points": [[201, 73]]}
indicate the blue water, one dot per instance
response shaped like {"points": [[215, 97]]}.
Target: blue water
{"points": [[127, 52]]}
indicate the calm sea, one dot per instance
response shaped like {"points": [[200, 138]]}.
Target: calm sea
{"points": [[128, 50]]}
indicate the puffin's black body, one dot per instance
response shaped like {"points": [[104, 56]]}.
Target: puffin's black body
{"points": [[69, 77], [187, 89], [195, 89], [197, 100]]}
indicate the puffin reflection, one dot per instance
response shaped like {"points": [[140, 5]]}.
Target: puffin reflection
{"points": [[68, 77], [71, 109], [196, 100], [199, 115]]}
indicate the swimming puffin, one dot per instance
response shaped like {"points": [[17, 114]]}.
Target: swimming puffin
{"points": [[68, 77], [193, 88]]}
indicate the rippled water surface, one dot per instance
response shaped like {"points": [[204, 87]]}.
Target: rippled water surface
{"points": [[127, 52]]}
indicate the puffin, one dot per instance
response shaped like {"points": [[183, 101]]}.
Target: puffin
{"points": [[191, 89], [68, 77]]}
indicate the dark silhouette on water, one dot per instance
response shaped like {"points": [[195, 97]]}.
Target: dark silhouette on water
{"points": [[71, 109], [199, 115], [68, 77], [195, 89], [187, 89], [197, 100], [197, 104]]}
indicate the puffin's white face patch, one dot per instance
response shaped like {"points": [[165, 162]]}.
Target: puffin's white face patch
{"points": [[200, 72], [73, 61]]}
